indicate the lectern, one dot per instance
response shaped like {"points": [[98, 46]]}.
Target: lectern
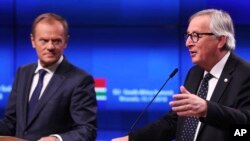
{"points": [[10, 138]]}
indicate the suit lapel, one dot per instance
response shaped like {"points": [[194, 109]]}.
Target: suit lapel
{"points": [[223, 82], [192, 85], [27, 77], [224, 79], [52, 87]]}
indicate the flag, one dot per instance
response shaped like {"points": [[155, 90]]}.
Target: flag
{"points": [[100, 89]]}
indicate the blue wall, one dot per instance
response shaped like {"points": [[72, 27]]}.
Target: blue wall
{"points": [[132, 45]]}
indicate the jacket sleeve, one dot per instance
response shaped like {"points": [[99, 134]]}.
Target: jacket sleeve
{"points": [[162, 129], [83, 110]]}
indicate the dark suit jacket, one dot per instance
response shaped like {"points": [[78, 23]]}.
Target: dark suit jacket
{"points": [[67, 107], [229, 104]]}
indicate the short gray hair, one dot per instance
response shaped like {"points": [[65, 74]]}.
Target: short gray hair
{"points": [[221, 24]]}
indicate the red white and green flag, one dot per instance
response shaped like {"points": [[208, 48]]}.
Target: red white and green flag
{"points": [[100, 89]]}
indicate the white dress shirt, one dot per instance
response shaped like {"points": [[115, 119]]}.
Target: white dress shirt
{"points": [[216, 72], [50, 71]]}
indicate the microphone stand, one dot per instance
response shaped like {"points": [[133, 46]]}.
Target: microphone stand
{"points": [[139, 117]]}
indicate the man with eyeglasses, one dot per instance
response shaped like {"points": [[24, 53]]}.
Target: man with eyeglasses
{"points": [[210, 41]]}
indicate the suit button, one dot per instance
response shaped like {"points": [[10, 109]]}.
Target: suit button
{"points": [[26, 132]]}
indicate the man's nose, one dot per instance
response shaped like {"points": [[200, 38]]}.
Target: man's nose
{"points": [[189, 42], [51, 45]]}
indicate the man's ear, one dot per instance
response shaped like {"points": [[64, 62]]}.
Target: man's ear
{"points": [[222, 41], [32, 39]]}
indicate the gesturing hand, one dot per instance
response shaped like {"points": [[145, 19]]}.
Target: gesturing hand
{"points": [[187, 104]]}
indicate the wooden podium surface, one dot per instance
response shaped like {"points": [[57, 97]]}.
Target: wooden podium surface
{"points": [[10, 138]]}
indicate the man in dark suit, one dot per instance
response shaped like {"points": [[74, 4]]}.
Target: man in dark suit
{"points": [[66, 107], [210, 41]]}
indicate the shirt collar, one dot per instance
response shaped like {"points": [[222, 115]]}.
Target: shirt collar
{"points": [[50, 69], [217, 69]]}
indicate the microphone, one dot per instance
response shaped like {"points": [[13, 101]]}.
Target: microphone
{"points": [[139, 117]]}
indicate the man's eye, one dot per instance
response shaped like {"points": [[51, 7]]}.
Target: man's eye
{"points": [[57, 42], [43, 41]]}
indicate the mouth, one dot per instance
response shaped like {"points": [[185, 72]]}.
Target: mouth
{"points": [[192, 53], [50, 54]]}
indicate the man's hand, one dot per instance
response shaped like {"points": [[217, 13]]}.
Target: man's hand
{"points": [[125, 138], [187, 104], [49, 138]]}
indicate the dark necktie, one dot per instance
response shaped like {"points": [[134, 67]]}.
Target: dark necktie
{"points": [[35, 96], [190, 123]]}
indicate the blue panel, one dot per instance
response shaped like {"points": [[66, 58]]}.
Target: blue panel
{"points": [[185, 58], [134, 62], [150, 12], [243, 42], [99, 12], [25, 53], [6, 65], [6, 13], [189, 7], [239, 10]]}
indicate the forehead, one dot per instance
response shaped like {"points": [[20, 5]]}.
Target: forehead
{"points": [[51, 28], [199, 24]]}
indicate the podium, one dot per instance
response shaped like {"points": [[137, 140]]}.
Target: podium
{"points": [[10, 138]]}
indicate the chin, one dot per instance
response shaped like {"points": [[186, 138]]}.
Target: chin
{"points": [[194, 61], [49, 62], [51, 58]]}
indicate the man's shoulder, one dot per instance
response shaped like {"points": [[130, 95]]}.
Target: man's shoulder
{"points": [[27, 66], [241, 64], [76, 69], [196, 69], [69, 69]]}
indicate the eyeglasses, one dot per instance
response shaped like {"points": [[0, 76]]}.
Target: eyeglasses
{"points": [[196, 36]]}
